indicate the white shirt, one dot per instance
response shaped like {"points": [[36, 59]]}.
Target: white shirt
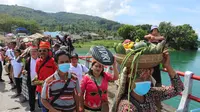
{"points": [[17, 67], [10, 53], [79, 70], [32, 69]]}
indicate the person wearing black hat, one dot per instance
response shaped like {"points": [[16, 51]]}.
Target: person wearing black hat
{"points": [[77, 68]]}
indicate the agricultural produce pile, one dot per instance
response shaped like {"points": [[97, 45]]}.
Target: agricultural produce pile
{"points": [[147, 48]]}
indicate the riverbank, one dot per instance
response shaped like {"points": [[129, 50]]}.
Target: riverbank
{"points": [[88, 44], [107, 43]]}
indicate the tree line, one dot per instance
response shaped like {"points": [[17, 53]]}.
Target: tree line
{"points": [[9, 24], [62, 21], [181, 37]]}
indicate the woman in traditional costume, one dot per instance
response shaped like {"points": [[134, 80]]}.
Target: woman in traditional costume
{"points": [[137, 95]]}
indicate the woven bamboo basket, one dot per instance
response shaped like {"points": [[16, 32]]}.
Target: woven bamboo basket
{"points": [[145, 61]]}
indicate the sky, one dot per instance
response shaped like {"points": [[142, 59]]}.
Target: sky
{"points": [[124, 11]]}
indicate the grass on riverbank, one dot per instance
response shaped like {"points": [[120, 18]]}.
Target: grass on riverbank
{"points": [[106, 43]]}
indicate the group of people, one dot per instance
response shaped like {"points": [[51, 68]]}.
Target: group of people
{"points": [[57, 78], [64, 85]]}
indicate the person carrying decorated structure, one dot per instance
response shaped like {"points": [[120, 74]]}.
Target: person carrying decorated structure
{"points": [[135, 93]]}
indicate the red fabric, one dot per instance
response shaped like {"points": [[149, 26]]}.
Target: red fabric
{"points": [[88, 86], [44, 45], [47, 70], [50, 54]]}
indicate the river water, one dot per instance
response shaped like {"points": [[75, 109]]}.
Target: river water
{"points": [[181, 61]]}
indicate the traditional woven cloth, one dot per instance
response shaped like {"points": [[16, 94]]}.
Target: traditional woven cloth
{"points": [[24, 87]]}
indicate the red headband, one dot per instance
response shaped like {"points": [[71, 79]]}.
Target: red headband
{"points": [[44, 45]]}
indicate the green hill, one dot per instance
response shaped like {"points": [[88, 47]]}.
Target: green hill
{"points": [[61, 20]]}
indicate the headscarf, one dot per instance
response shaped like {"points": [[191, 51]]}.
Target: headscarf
{"points": [[44, 45]]}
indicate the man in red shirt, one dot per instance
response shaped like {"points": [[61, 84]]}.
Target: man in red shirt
{"points": [[45, 67]]}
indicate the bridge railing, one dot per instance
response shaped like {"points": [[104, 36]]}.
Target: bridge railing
{"points": [[188, 81]]}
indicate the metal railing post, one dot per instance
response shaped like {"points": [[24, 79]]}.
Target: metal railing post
{"points": [[87, 63], [184, 103]]}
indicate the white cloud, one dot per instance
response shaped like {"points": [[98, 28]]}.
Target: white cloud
{"points": [[189, 10], [104, 8], [156, 7], [197, 30], [150, 21], [44, 5]]}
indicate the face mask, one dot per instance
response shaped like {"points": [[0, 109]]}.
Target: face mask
{"points": [[142, 88], [64, 67]]}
